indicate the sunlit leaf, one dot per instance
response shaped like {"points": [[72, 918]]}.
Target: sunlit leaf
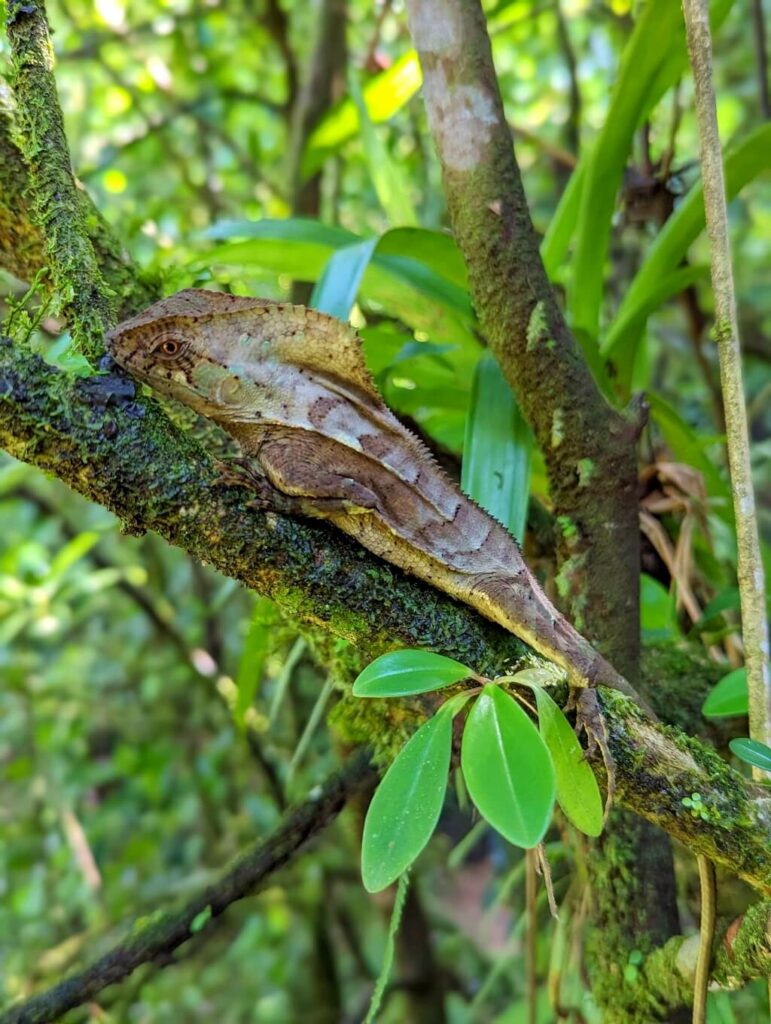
{"points": [[728, 697], [406, 806], [384, 94], [753, 752], [577, 791], [507, 768], [496, 452], [391, 183], [409, 671]]}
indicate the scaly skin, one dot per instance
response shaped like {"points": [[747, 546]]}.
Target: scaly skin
{"points": [[291, 385]]}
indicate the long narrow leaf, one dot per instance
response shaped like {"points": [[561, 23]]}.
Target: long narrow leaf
{"points": [[336, 290], [744, 161], [496, 452], [391, 184]]}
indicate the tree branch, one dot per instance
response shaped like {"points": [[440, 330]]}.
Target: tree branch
{"points": [[21, 244], [55, 203], [123, 453], [588, 447], [165, 931]]}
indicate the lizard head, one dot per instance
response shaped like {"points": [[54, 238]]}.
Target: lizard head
{"points": [[192, 347]]}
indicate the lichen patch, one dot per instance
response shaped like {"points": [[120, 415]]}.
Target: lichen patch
{"points": [[462, 119]]}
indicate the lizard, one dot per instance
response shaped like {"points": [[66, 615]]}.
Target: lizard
{"points": [[291, 385]]}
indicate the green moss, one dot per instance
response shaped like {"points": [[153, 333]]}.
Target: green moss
{"points": [[586, 470], [537, 326]]}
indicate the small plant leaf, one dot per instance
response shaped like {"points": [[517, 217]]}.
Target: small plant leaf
{"points": [[406, 806], [406, 672], [577, 791], [753, 752], [728, 697], [507, 768]]}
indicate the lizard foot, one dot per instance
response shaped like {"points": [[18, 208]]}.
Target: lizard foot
{"points": [[590, 719]]}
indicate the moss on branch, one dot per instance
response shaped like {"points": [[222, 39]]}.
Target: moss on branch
{"points": [[123, 452], [55, 202]]}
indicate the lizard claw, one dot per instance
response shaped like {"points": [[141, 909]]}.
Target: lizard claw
{"points": [[589, 719]]}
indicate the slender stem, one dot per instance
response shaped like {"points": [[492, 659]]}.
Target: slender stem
{"points": [[706, 938], [750, 566], [531, 940]]}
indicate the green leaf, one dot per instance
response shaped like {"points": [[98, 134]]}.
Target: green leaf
{"points": [[507, 768], [743, 162], [577, 791], [255, 649], [657, 610], [652, 61], [391, 184], [406, 806], [336, 289], [406, 672], [384, 95], [496, 452], [728, 697], [753, 752], [71, 553], [416, 289]]}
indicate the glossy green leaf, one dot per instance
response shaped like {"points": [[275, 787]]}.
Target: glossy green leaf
{"points": [[252, 660], [406, 806], [728, 697], [743, 162], [497, 448], [384, 95], [507, 768], [336, 289], [391, 184], [409, 671], [577, 791], [753, 752]]}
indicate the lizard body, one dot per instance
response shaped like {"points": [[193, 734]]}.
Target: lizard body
{"points": [[292, 387]]}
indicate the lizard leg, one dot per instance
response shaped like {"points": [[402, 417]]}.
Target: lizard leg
{"points": [[338, 495]]}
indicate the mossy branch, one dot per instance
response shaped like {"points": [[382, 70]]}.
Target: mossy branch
{"points": [[21, 244], [574, 425], [55, 203], [163, 932], [125, 454], [740, 954]]}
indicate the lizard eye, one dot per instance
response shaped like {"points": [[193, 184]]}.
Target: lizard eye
{"points": [[169, 346]]}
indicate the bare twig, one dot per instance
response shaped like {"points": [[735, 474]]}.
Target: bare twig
{"points": [[167, 930], [750, 566]]}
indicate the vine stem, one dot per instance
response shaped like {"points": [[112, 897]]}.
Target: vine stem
{"points": [[750, 566]]}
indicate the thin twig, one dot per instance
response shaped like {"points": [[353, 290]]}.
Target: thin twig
{"points": [[750, 566], [166, 931]]}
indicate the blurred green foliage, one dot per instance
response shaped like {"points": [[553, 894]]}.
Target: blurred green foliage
{"points": [[135, 753]]}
